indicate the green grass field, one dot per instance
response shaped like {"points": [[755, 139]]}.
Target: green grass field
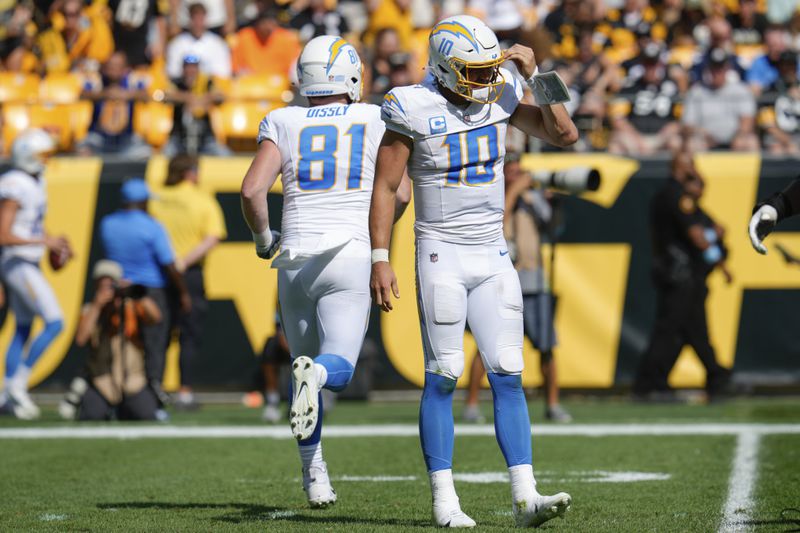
{"points": [[619, 483]]}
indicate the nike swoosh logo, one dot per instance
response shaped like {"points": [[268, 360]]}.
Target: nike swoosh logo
{"points": [[503, 253]]}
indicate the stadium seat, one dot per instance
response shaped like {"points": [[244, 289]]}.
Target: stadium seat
{"points": [[16, 87], [262, 87], [238, 122], [55, 118], [152, 121], [60, 88]]}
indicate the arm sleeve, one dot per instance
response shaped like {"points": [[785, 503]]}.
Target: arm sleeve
{"points": [[162, 246], [267, 130], [11, 189], [786, 202], [393, 113]]}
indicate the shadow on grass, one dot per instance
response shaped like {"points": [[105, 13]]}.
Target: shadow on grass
{"points": [[253, 512]]}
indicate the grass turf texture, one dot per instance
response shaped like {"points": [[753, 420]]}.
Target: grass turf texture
{"points": [[254, 484]]}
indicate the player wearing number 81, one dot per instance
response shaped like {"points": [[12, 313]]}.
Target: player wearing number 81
{"points": [[325, 154], [450, 131]]}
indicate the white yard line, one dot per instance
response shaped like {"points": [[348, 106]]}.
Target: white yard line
{"points": [[136, 431], [744, 474]]}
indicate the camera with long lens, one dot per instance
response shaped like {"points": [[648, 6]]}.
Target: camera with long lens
{"points": [[134, 292], [573, 180]]}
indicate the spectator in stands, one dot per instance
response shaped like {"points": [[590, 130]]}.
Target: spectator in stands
{"points": [[748, 24], [566, 22], [389, 14], [131, 23], [386, 47], [643, 117], [719, 113], [111, 130], [265, 38], [140, 244], [719, 37], [192, 95], [15, 30], [85, 37], [111, 325], [215, 57], [318, 19], [195, 224], [764, 70], [275, 354], [220, 15], [780, 114], [506, 18]]}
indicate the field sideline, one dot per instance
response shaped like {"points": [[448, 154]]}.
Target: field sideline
{"points": [[727, 467]]}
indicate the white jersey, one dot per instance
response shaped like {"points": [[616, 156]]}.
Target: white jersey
{"points": [[328, 158], [30, 194], [457, 160]]}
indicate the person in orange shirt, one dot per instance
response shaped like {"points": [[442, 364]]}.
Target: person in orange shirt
{"points": [[265, 39]]}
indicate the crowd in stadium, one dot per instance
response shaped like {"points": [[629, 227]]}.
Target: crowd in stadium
{"points": [[133, 76]]}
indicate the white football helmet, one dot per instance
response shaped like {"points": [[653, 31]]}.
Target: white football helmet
{"points": [[30, 150], [465, 57], [329, 65]]}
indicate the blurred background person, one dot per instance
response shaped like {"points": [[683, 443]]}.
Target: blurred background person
{"points": [[197, 40], [23, 204], [192, 96], [111, 326], [687, 247], [528, 220], [719, 113], [111, 129], [80, 37], [275, 355], [779, 113], [764, 70], [16, 32], [140, 244], [312, 18], [140, 29], [220, 15], [643, 116], [264, 37], [195, 225]]}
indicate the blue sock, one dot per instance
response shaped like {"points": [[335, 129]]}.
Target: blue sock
{"points": [[14, 353], [436, 422], [40, 343], [512, 426], [339, 369], [317, 435]]}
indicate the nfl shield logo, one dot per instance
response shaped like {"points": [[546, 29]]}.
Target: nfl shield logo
{"points": [[434, 257]]}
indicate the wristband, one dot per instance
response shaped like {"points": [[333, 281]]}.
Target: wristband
{"points": [[530, 81], [264, 238], [380, 255]]}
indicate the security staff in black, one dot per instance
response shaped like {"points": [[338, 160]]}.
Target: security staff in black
{"points": [[687, 246]]}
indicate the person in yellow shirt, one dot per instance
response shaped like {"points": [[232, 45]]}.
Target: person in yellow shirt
{"points": [[195, 224], [84, 36]]}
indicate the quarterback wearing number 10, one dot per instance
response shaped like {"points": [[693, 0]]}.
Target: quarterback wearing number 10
{"points": [[449, 132]]}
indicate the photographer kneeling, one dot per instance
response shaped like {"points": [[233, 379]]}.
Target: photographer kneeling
{"points": [[111, 325]]}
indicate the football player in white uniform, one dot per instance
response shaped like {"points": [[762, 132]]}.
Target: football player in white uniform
{"points": [[449, 131], [23, 204], [326, 155]]}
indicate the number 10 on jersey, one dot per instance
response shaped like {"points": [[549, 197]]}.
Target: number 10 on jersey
{"points": [[475, 165], [318, 146]]}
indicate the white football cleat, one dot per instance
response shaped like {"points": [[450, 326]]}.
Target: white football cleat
{"points": [[449, 514], [318, 487], [23, 406], [541, 509], [305, 408]]}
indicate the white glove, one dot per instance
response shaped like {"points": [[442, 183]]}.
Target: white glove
{"points": [[267, 243], [764, 219]]}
